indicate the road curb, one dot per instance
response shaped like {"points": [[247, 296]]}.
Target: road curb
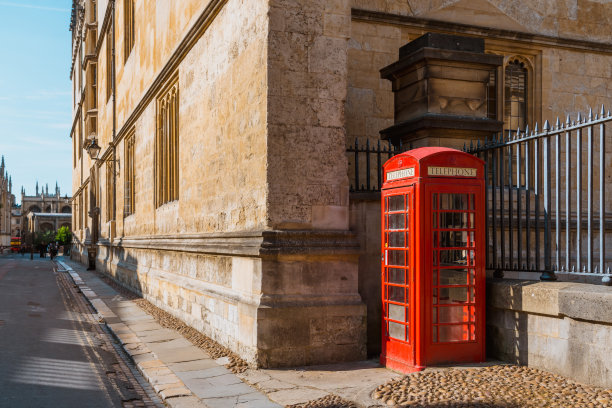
{"points": [[166, 384]]}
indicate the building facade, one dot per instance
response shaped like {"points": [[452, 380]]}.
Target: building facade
{"points": [[7, 200], [44, 211], [221, 188]]}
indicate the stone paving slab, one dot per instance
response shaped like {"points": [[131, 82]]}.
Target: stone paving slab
{"points": [[181, 373]]}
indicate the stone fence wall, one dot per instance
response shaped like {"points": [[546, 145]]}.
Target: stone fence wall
{"points": [[561, 327]]}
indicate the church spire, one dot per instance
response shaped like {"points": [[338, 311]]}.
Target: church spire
{"points": [[57, 189], [37, 188]]}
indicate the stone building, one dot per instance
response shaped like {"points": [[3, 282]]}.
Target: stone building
{"points": [[7, 200], [219, 183], [44, 211]]}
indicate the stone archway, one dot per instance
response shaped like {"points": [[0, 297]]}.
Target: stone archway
{"points": [[34, 209], [66, 209]]}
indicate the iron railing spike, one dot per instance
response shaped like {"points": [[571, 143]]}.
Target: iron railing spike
{"points": [[464, 147], [535, 129], [546, 126], [562, 268], [596, 268], [478, 144], [558, 123], [609, 113], [603, 111], [608, 270], [527, 130], [590, 113], [471, 145], [573, 268], [568, 121], [583, 268], [579, 118]]}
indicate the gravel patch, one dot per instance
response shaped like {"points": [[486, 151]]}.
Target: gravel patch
{"points": [[497, 386], [329, 401], [215, 350]]}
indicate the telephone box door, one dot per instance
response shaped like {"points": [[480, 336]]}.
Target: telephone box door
{"points": [[398, 277], [455, 312]]}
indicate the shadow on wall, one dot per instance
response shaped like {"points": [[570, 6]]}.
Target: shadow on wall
{"points": [[507, 329], [123, 268]]}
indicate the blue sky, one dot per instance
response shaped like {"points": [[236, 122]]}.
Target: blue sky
{"points": [[35, 93]]}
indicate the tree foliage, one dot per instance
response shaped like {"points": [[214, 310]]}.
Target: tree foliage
{"points": [[63, 236]]}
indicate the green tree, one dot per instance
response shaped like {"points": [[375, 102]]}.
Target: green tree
{"points": [[44, 238], [64, 236]]}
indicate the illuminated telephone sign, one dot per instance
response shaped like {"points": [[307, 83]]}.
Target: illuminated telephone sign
{"points": [[433, 259]]}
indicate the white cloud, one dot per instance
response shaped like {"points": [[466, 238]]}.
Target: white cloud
{"points": [[32, 6]]}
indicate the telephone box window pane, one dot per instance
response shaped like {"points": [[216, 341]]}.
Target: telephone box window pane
{"points": [[453, 295], [396, 258], [396, 294], [453, 239], [453, 201], [396, 240], [396, 221], [435, 239], [472, 201], [453, 257], [397, 331], [454, 220], [396, 203], [396, 276], [453, 276], [435, 201], [459, 314], [396, 312], [435, 220], [435, 277], [435, 258], [453, 333]]}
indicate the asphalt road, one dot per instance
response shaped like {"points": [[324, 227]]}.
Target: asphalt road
{"points": [[53, 352]]}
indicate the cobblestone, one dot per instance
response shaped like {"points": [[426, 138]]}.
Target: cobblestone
{"points": [[329, 401], [505, 386]]}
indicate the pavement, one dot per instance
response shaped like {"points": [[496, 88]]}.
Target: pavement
{"points": [[185, 376]]}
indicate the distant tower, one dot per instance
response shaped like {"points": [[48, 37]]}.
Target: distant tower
{"points": [[47, 190], [2, 166], [37, 188], [10, 185], [57, 190]]}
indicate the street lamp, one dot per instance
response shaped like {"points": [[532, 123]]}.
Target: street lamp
{"points": [[93, 149]]}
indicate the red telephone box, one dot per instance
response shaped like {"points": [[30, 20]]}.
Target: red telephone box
{"points": [[433, 259]]}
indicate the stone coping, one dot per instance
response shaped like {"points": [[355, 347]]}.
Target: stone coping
{"points": [[575, 300]]}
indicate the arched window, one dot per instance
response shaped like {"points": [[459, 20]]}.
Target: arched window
{"points": [[515, 95], [34, 209], [66, 209], [48, 209]]}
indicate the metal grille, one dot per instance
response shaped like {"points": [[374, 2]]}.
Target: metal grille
{"points": [[547, 208]]}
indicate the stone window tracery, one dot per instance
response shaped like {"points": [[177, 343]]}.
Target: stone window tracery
{"points": [[167, 146], [130, 178], [128, 28]]}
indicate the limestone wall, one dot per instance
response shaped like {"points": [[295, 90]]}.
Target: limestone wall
{"points": [[565, 328], [307, 68]]}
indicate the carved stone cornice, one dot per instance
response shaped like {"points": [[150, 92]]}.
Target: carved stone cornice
{"points": [[263, 244]]}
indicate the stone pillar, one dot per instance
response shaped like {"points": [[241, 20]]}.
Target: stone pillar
{"points": [[310, 311], [444, 88]]}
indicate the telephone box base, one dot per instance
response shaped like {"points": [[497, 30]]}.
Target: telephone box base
{"points": [[398, 365]]}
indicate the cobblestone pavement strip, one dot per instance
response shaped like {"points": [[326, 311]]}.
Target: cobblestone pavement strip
{"points": [[506, 386]]}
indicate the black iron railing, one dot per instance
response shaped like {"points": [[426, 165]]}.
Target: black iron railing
{"points": [[365, 163], [547, 209]]}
